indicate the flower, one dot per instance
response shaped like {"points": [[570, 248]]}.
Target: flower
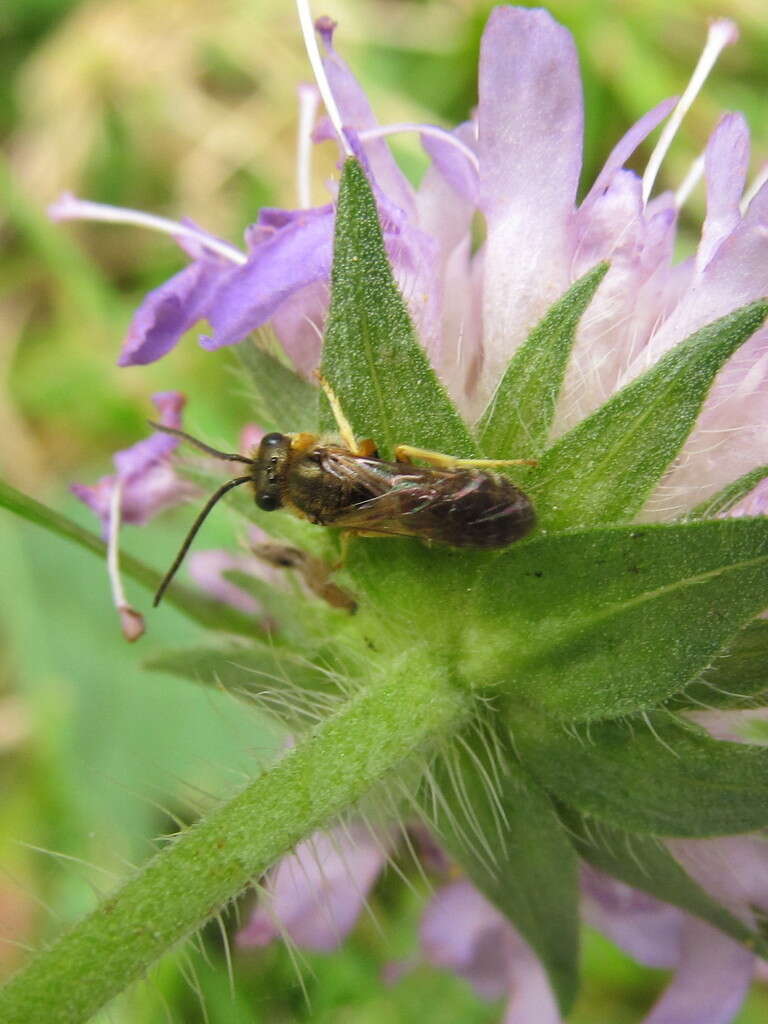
{"points": [[314, 896], [145, 483], [145, 476], [517, 162]]}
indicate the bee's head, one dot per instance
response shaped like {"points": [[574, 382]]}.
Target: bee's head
{"points": [[268, 471], [265, 472]]}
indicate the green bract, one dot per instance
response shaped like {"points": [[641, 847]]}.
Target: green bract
{"points": [[540, 685]]}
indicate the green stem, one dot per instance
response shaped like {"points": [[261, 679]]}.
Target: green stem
{"points": [[185, 884], [204, 610]]}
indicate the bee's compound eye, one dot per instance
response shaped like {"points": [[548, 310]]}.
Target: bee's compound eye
{"points": [[271, 442], [268, 500]]}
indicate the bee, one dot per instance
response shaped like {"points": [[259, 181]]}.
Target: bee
{"points": [[461, 503]]}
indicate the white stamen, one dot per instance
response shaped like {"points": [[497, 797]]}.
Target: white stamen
{"points": [[721, 33], [131, 621], [690, 181], [759, 180], [323, 85], [309, 98], [69, 207], [422, 129]]}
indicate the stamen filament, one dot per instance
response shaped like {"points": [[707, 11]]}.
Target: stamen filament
{"points": [[309, 99], [69, 207], [721, 33], [323, 85], [690, 181], [131, 621], [423, 129], [759, 180]]}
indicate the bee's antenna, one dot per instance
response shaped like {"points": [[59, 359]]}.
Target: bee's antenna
{"points": [[196, 525], [229, 456]]}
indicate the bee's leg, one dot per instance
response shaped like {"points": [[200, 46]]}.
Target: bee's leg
{"points": [[313, 571], [366, 447], [407, 453], [343, 551]]}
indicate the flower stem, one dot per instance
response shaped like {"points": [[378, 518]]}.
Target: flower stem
{"points": [[371, 735]]}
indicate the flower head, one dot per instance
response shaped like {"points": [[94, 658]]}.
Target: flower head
{"points": [[580, 645]]}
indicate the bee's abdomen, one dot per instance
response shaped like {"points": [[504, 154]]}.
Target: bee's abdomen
{"points": [[483, 510]]}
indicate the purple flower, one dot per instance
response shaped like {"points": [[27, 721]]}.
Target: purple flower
{"points": [[517, 162], [713, 972], [145, 475], [463, 933], [314, 896], [145, 483]]}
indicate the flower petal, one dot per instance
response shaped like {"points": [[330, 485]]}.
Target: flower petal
{"points": [[733, 869], [316, 894], [644, 927], [207, 569], [638, 241], [532, 998], [299, 324], [357, 114], [296, 254], [462, 932], [726, 166], [711, 981], [736, 275], [453, 165], [627, 145], [530, 121], [148, 480], [171, 310], [140, 456]]}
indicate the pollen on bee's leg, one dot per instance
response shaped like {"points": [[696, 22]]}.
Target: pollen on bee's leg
{"points": [[131, 621]]}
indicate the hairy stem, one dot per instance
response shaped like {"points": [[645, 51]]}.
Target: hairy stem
{"points": [[188, 882]]}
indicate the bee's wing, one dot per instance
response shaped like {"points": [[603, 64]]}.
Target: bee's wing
{"points": [[379, 493], [460, 507], [394, 498]]}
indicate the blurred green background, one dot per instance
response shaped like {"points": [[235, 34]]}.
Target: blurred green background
{"points": [[188, 108]]}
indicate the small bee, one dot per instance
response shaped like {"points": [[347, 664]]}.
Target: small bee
{"points": [[458, 502]]}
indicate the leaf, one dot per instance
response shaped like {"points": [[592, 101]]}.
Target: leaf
{"points": [[651, 773], [738, 674], [372, 357], [282, 401], [598, 623], [517, 421], [207, 612], [504, 832], [603, 470], [646, 864], [283, 684], [729, 496]]}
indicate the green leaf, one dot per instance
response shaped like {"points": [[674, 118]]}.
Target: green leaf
{"points": [[598, 623], [729, 496], [210, 613], [503, 830], [738, 674], [652, 773], [517, 421], [372, 357], [646, 864], [281, 400], [284, 684], [603, 470]]}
